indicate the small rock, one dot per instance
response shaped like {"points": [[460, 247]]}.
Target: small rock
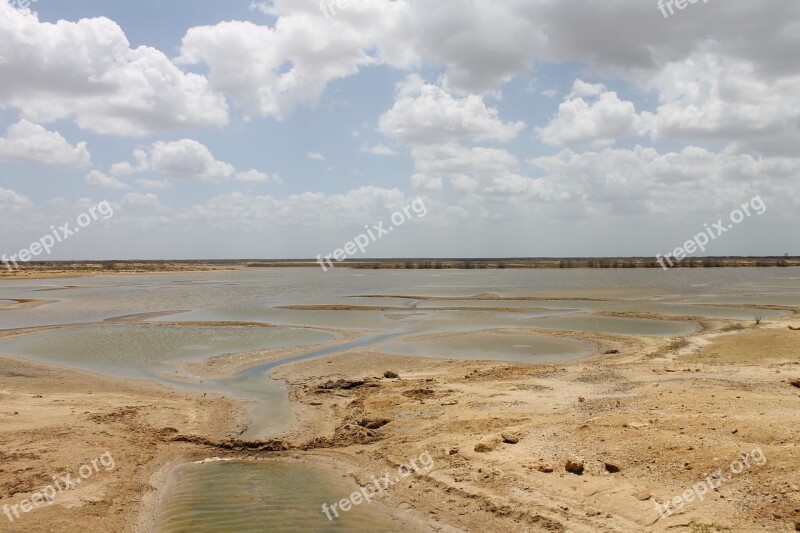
{"points": [[795, 383], [374, 424], [642, 495], [391, 375], [611, 468], [734, 431], [610, 352], [581, 399], [545, 469], [574, 466], [452, 451], [510, 438], [486, 445]]}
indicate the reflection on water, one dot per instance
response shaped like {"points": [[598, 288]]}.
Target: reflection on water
{"points": [[126, 348], [224, 497], [495, 346], [102, 297], [617, 325]]}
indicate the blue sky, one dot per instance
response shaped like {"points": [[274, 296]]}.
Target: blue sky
{"points": [[529, 128]]}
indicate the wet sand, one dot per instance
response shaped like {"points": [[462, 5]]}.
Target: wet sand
{"points": [[646, 423]]}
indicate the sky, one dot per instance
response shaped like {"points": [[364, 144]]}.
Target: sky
{"points": [[286, 128]]}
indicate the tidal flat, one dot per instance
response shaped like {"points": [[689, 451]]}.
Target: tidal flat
{"points": [[246, 399]]}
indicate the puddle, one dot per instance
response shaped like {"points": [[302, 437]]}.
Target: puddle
{"points": [[221, 497]]}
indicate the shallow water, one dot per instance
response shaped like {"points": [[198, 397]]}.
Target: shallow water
{"points": [[138, 348], [617, 325], [495, 346], [223, 497]]}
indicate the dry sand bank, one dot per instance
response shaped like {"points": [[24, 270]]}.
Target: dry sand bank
{"points": [[666, 418]]}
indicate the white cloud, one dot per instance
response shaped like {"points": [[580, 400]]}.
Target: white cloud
{"points": [[86, 70], [581, 88], [709, 96], [139, 201], [32, 143], [377, 149], [254, 176], [98, 179], [269, 71], [481, 173], [12, 202], [426, 183], [125, 168], [189, 159], [427, 114], [185, 159], [307, 210], [691, 180], [598, 123], [316, 156]]}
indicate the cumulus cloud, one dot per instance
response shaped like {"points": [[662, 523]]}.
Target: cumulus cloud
{"points": [[86, 70], [708, 96], [98, 179], [186, 159], [12, 202], [426, 183], [316, 156], [254, 176], [427, 114], [269, 71], [481, 173], [644, 180], [350, 210], [32, 143], [597, 122]]}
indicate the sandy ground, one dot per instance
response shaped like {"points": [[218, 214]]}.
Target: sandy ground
{"points": [[53, 421], [645, 424]]}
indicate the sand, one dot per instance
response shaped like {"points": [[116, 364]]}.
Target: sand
{"points": [[663, 414]]}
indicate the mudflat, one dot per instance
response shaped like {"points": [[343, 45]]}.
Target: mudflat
{"points": [[599, 444]]}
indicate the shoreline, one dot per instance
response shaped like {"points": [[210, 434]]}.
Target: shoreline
{"points": [[68, 269]]}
